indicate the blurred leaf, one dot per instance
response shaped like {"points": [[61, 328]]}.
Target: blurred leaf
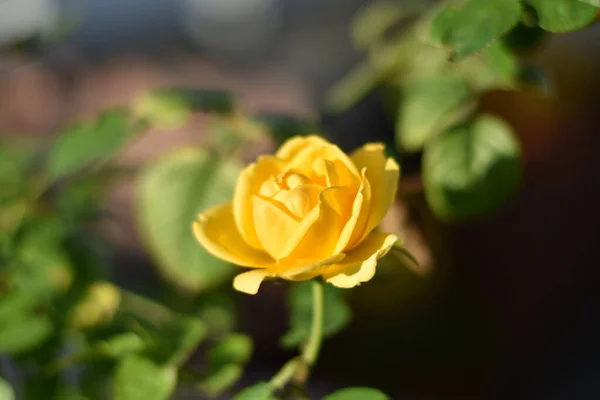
{"points": [[138, 378], [6, 392], [471, 169], [428, 106], [218, 312], [354, 86], [14, 304], [357, 393], [373, 21], [564, 15], [222, 379], [494, 68], [524, 37], [162, 109], [227, 359], [170, 108], [177, 339], [283, 127], [171, 193], [87, 142], [259, 391], [595, 3], [468, 26], [336, 315], [98, 306], [121, 345], [235, 348], [45, 267], [24, 333], [13, 162]]}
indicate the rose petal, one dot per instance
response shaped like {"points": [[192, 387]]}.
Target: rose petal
{"points": [[310, 271], [274, 225], [307, 161], [217, 232], [293, 146], [358, 217], [300, 200], [248, 184], [316, 236], [249, 282], [360, 263], [383, 174]]}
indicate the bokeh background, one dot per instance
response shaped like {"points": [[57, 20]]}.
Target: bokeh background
{"points": [[504, 306]]}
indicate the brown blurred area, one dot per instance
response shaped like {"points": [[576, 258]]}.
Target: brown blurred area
{"points": [[509, 307]]}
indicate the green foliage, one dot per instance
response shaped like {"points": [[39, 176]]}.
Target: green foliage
{"points": [[357, 393], [121, 345], [468, 26], [375, 20], [171, 192], [175, 340], [282, 127], [234, 348], [138, 378], [24, 333], [258, 391], [171, 108], [227, 359], [428, 105], [565, 15], [336, 315], [88, 142], [6, 392], [471, 168]]}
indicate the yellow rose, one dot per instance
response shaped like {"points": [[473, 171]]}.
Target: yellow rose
{"points": [[309, 210]]}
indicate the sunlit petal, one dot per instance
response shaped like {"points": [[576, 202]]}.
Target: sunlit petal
{"points": [[217, 232], [360, 263]]}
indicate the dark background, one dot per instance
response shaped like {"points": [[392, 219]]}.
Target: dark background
{"points": [[509, 309]]}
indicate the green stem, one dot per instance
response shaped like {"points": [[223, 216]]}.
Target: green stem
{"points": [[297, 368], [311, 351]]}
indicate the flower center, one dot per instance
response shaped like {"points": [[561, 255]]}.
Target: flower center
{"points": [[293, 192]]}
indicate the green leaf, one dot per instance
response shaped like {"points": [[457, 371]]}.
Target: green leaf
{"points": [[372, 22], [171, 193], [24, 333], [176, 340], [357, 84], [172, 108], [88, 142], [218, 311], [6, 391], [226, 360], [121, 345], [13, 163], [235, 348], [471, 169], [468, 26], [564, 15], [300, 302], [222, 379], [357, 393], [138, 378], [282, 127], [259, 391], [204, 100], [428, 105], [494, 68]]}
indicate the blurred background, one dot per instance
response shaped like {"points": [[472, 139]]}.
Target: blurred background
{"points": [[503, 306]]}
